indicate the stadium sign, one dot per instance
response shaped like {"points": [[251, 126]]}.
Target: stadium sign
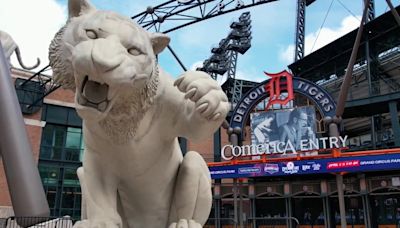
{"points": [[273, 88], [228, 152]]}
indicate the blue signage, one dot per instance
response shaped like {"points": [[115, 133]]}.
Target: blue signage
{"points": [[330, 165]]}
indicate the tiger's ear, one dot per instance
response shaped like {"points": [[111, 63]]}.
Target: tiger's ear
{"points": [[79, 7], [159, 41]]}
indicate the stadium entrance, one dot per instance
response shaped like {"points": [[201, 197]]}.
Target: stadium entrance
{"points": [[280, 170]]}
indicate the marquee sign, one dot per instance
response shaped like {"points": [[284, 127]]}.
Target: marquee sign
{"points": [[321, 98], [228, 152], [328, 165]]}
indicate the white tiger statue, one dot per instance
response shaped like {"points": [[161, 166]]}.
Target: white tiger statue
{"points": [[9, 47], [134, 174]]}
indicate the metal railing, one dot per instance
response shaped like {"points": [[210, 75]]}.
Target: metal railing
{"points": [[67, 222], [258, 222], [263, 222], [37, 222], [221, 223]]}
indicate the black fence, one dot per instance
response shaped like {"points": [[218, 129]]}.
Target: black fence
{"points": [[67, 222], [36, 222], [256, 222]]}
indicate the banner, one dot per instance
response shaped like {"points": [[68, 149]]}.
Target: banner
{"points": [[331, 165], [287, 127]]}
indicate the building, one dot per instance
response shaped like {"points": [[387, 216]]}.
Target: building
{"points": [[269, 191]]}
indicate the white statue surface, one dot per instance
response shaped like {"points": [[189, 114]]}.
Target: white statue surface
{"points": [[9, 47], [134, 174]]}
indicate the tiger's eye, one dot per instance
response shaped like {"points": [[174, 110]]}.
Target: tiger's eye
{"points": [[91, 34], [134, 51]]}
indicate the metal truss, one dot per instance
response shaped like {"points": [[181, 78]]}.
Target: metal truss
{"points": [[300, 29], [236, 88], [45, 86], [183, 13], [371, 11]]}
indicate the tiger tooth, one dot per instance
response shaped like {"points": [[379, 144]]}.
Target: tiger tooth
{"points": [[111, 93], [102, 106], [82, 100]]}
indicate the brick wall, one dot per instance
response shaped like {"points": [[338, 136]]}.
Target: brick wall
{"points": [[206, 147]]}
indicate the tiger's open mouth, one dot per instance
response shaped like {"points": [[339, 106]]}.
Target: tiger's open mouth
{"points": [[94, 94]]}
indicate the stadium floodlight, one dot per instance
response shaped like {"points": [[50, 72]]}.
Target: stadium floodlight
{"points": [[218, 68], [238, 40], [241, 34]]}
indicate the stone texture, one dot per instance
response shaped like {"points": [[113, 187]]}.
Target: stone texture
{"points": [[133, 172]]}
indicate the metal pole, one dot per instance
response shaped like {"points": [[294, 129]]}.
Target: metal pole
{"points": [[394, 12], [235, 208], [253, 211], [26, 190], [235, 141], [288, 212], [349, 71], [342, 208], [182, 141], [333, 131], [333, 127], [240, 204], [177, 59], [326, 214]]}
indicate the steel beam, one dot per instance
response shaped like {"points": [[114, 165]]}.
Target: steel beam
{"points": [[184, 14], [377, 100], [394, 12]]}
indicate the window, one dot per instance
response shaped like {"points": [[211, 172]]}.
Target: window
{"points": [[61, 152], [30, 95], [61, 143]]}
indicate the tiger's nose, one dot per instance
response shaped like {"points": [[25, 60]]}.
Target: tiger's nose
{"points": [[107, 54]]}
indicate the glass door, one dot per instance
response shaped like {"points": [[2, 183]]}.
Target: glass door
{"points": [[309, 211], [270, 212], [385, 209], [354, 211]]}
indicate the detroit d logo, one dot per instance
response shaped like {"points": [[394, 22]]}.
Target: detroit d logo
{"points": [[280, 83]]}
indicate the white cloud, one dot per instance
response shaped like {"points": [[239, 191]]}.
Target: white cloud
{"points": [[326, 36], [249, 74], [195, 65], [32, 24]]}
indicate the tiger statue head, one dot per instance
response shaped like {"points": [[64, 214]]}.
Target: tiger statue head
{"points": [[109, 60]]}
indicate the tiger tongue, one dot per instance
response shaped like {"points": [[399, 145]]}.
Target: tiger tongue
{"points": [[95, 92]]}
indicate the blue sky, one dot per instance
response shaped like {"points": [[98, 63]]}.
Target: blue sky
{"points": [[273, 30]]}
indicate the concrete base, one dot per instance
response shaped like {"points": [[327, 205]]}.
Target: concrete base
{"points": [[6, 211]]}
